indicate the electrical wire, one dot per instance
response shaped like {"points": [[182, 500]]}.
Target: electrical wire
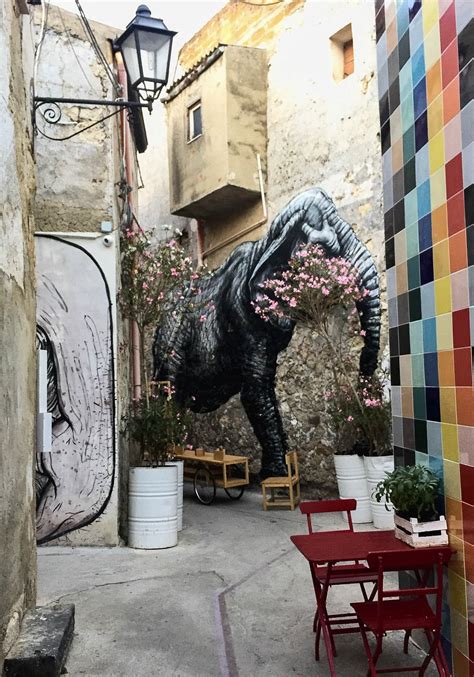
{"points": [[66, 31], [44, 22], [100, 55]]}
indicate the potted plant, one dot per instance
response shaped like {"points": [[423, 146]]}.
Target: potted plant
{"points": [[323, 292], [413, 491], [149, 274]]}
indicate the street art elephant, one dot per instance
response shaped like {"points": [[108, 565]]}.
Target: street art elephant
{"points": [[234, 350]]}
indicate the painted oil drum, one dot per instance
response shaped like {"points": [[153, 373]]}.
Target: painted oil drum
{"points": [[351, 481], [153, 507]]}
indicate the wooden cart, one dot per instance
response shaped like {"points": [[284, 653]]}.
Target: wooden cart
{"points": [[208, 470]]}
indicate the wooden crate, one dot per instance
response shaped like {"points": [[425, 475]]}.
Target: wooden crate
{"points": [[417, 534]]}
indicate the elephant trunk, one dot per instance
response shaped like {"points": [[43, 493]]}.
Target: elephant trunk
{"points": [[352, 249]]}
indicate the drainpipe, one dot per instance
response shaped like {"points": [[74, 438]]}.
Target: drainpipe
{"points": [[126, 142]]}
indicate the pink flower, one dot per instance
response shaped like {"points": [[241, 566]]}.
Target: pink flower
{"points": [[362, 332]]}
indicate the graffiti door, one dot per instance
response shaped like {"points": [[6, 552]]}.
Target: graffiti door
{"points": [[74, 482]]}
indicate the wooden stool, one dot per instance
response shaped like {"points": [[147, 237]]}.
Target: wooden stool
{"points": [[291, 482]]}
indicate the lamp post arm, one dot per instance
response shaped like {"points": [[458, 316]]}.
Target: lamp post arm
{"points": [[40, 100]]}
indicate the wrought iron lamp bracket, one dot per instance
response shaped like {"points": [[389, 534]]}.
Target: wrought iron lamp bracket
{"points": [[50, 110]]}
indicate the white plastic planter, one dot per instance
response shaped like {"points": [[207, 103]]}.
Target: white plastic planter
{"points": [[153, 507], [376, 468], [350, 475], [180, 466]]}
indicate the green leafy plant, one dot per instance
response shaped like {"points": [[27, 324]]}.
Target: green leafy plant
{"points": [[156, 424], [412, 490]]}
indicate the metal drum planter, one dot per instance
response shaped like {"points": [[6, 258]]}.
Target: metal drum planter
{"points": [[350, 475], [153, 507], [376, 467], [180, 466]]}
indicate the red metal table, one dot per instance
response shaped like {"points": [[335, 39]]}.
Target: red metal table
{"points": [[340, 546]]}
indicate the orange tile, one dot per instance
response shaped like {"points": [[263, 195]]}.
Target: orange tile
{"points": [[454, 517], [433, 82], [465, 405], [460, 663], [447, 400], [392, 36], [451, 100], [446, 368], [439, 223], [458, 251], [456, 563], [469, 561], [441, 259]]}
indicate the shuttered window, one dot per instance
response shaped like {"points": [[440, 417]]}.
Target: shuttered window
{"points": [[348, 49]]}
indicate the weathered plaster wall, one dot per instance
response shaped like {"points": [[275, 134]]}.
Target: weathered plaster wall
{"points": [[320, 132], [75, 185], [17, 322]]}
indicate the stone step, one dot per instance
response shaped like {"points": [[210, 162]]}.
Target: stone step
{"points": [[43, 643]]}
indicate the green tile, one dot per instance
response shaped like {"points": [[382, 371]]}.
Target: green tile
{"points": [[408, 144], [416, 337], [419, 403], [422, 459], [405, 81], [411, 208], [413, 272], [407, 113], [412, 240], [418, 370]]}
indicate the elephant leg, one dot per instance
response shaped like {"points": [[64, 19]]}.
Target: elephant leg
{"points": [[259, 401]]}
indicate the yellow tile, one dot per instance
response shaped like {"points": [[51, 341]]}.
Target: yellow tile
{"points": [[435, 117], [444, 332], [449, 431], [456, 562], [447, 400], [459, 632], [436, 149], [438, 188], [442, 296], [400, 241], [452, 482], [431, 42], [457, 593], [441, 259], [405, 370], [430, 15]]}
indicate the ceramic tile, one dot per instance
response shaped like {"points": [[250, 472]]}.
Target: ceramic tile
{"points": [[469, 204], [457, 593], [470, 602], [396, 125], [466, 79], [392, 312], [439, 220], [467, 124], [427, 300], [446, 368], [449, 63], [441, 259], [402, 22], [416, 337], [433, 432], [464, 13], [470, 247], [470, 273], [468, 548], [442, 295], [456, 215], [452, 484], [402, 278], [447, 27], [418, 65], [388, 194], [397, 156], [400, 247], [454, 176], [452, 138], [424, 232], [408, 433], [431, 369], [412, 245], [396, 401], [405, 81], [460, 664], [397, 431], [444, 332], [447, 398], [381, 37], [392, 37], [454, 517], [433, 80], [460, 289], [393, 95], [463, 366], [433, 410], [461, 328], [436, 150], [421, 130], [382, 78], [467, 483], [435, 116], [458, 251], [405, 370], [451, 100], [438, 187], [465, 406], [457, 563], [468, 165], [430, 16], [392, 63], [422, 166], [459, 632], [416, 32], [466, 444], [391, 283], [407, 402], [409, 134], [465, 41], [387, 171]]}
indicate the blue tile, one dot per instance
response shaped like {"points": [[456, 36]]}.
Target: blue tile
{"points": [[422, 165], [382, 79], [424, 232], [416, 337], [427, 300], [424, 199], [402, 18], [416, 26], [436, 465], [419, 97], [411, 208], [408, 117], [429, 335], [421, 130], [433, 431], [418, 65], [382, 49], [431, 369]]}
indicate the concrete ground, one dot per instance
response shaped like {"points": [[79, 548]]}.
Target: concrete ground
{"points": [[233, 599]]}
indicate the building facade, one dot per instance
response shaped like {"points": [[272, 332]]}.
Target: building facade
{"points": [[425, 69]]}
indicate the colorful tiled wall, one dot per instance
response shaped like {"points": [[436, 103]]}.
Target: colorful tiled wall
{"points": [[426, 85]]}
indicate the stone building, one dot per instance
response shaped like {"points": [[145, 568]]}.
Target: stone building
{"points": [[274, 99], [426, 66]]}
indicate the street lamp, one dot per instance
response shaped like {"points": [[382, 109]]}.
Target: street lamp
{"points": [[146, 51], [145, 46]]}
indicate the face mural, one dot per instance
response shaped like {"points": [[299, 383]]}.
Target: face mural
{"points": [[234, 350], [74, 326]]}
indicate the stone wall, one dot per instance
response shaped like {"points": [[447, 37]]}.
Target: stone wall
{"points": [[321, 132], [17, 322]]}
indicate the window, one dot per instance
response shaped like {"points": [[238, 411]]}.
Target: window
{"points": [[342, 49], [194, 121]]}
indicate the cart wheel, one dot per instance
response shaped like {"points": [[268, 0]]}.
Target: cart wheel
{"points": [[204, 486], [235, 492]]}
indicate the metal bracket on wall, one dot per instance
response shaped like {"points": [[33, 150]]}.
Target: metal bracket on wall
{"points": [[50, 109]]}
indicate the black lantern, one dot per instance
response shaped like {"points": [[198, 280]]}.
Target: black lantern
{"points": [[146, 51]]}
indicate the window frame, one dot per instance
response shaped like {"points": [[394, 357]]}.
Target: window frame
{"points": [[190, 121]]}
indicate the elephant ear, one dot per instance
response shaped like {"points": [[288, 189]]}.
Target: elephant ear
{"points": [[276, 254]]}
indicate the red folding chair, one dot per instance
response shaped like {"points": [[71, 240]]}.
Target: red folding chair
{"points": [[333, 574], [406, 608]]}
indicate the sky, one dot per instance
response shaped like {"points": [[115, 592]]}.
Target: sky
{"points": [[183, 16]]}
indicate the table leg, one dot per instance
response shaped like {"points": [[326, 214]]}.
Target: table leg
{"points": [[321, 594]]}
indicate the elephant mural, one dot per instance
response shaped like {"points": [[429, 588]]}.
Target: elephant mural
{"points": [[234, 350]]}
